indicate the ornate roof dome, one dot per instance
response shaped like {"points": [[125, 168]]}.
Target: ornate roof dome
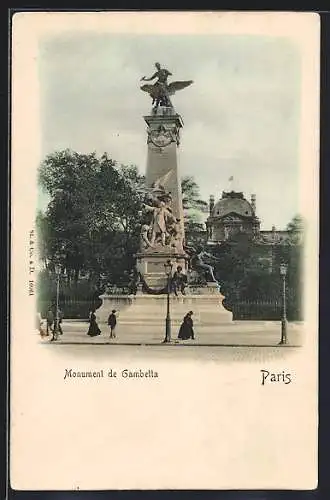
{"points": [[232, 202]]}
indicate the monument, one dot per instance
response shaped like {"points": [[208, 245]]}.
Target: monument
{"points": [[162, 237], [166, 229]]}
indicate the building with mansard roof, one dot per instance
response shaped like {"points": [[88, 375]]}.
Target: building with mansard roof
{"points": [[234, 215]]}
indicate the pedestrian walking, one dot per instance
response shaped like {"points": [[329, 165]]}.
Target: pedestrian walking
{"points": [[93, 329], [112, 322], [186, 329]]}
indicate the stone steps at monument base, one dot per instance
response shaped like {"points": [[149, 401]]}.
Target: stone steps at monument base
{"points": [[151, 309], [207, 318]]}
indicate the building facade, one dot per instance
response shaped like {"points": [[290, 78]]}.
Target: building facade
{"points": [[234, 215]]}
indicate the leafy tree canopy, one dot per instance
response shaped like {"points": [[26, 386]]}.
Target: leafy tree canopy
{"points": [[193, 205], [92, 216]]}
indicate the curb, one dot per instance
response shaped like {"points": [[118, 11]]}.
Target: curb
{"points": [[154, 344]]}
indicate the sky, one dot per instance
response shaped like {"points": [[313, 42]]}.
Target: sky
{"points": [[241, 115]]}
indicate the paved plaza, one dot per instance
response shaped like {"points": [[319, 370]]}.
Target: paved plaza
{"points": [[237, 333]]}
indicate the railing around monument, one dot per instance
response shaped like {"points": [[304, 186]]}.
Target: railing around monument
{"points": [[257, 309], [263, 309], [79, 306], [72, 307]]}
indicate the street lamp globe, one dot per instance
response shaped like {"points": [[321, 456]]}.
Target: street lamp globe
{"points": [[283, 269], [57, 268]]}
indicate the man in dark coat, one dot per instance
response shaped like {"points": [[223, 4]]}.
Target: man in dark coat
{"points": [[112, 321]]}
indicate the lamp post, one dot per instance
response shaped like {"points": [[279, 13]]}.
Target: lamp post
{"points": [[59, 258], [283, 272], [57, 319], [168, 270]]}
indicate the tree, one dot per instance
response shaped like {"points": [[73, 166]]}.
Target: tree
{"points": [[240, 268], [92, 215], [193, 207], [244, 270], [43, 229], [296, 224]]}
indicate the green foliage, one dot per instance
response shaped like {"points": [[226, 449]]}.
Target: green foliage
{"points": [[250, 272], [193, 205], [92, 217], [296, 225], [242, 271], [75, 299]]}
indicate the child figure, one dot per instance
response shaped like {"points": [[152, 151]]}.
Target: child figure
{"points": [[112, 322]]}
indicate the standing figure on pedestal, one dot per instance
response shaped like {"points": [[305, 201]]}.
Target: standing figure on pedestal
{"points": [[144, 240], [177, 236], [179, 281], [161, 215], [161, 91]]}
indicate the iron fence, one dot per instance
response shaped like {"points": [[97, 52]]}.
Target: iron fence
{"points": [[263, 309], [73, 308], [258, 309]]}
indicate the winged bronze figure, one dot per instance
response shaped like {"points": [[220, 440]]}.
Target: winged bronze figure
{"points": [[160, 91]]}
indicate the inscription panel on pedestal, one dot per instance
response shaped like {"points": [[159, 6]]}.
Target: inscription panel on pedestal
{"points": [[155, 267]]}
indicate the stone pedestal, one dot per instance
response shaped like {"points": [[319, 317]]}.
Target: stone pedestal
{"points": [[151, 266], [143, 309]]}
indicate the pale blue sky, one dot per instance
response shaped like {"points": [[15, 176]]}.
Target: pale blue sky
{"points": [[241, 115]]}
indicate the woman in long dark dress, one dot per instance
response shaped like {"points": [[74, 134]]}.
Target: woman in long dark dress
{"points": [[93, 329], [186, 329]]}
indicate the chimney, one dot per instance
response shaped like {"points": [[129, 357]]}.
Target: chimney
{"points": [[253, 203], [211, 203]]}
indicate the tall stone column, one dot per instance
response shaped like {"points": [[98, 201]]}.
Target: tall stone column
{"points": [[163, 180], [162, 160]]}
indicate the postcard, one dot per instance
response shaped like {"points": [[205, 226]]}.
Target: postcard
{"points": [[164, 250]]}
